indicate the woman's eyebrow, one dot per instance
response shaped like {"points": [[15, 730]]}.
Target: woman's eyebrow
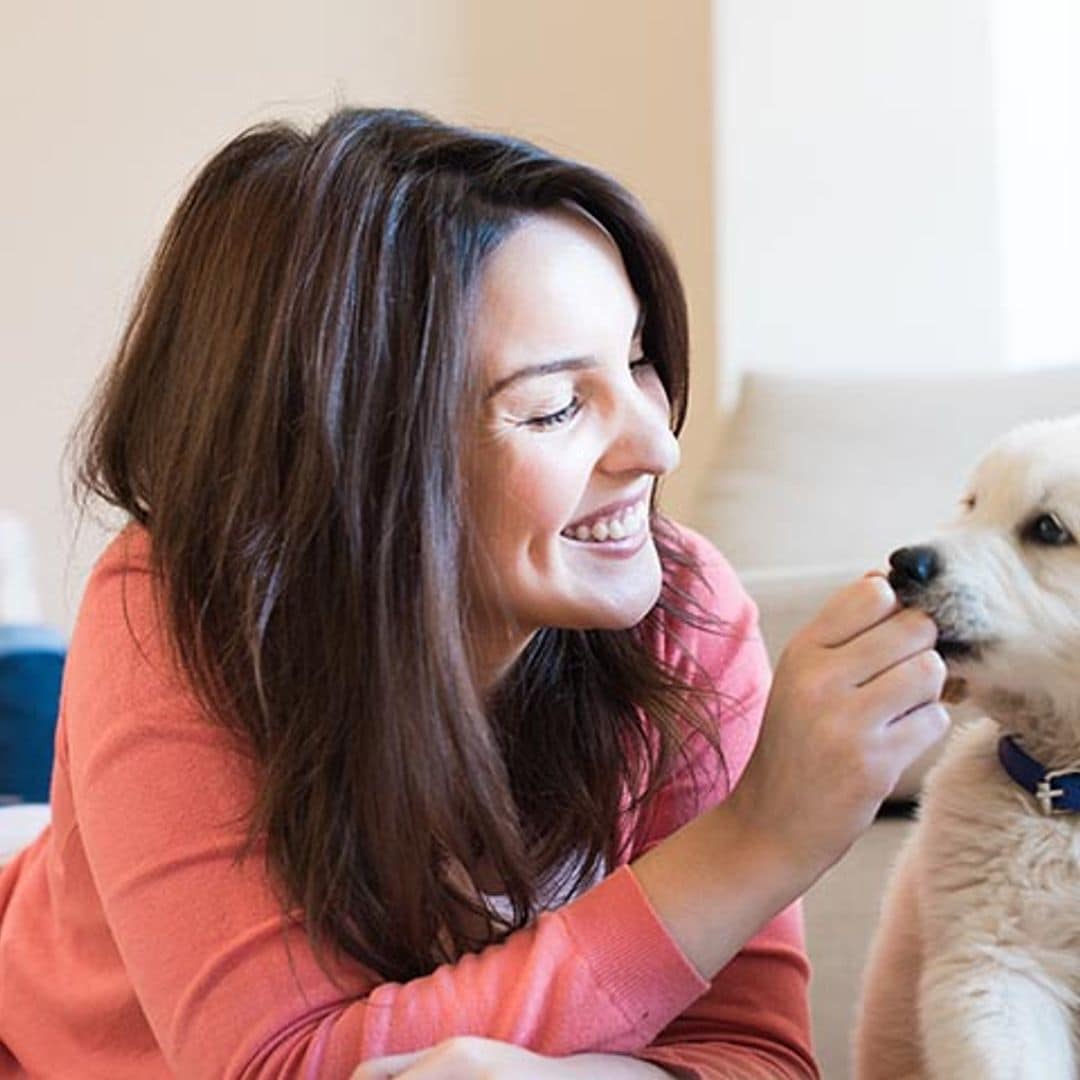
{"points": [[567, 363], [551, 367]]}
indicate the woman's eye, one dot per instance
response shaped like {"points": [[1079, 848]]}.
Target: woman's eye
{"points": [[1047, 529], [557, 418], [642, 363]]}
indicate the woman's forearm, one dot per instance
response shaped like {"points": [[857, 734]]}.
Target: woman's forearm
{"points": [[714, 885]]}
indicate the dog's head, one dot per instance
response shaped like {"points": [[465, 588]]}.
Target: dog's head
{"points": [[1003, 582]]}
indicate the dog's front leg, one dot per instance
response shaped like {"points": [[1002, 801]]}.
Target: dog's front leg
{"points": [[885, 1045], [981, 1018]]}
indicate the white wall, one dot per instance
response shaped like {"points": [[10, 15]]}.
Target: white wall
{"points": [[113, 104], [1036, 53], [858, 203]]}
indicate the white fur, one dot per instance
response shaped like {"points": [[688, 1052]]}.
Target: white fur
{"points": [[974, 971]]}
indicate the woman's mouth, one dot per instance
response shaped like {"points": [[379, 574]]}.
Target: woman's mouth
{"points": [[622, 523]]}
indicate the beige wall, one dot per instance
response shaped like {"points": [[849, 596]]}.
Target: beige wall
{"points": [[112, 105], [858, 165], [625, 85]]}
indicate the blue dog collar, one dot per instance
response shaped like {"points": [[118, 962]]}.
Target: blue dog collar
{"points": [[1055, 792]]}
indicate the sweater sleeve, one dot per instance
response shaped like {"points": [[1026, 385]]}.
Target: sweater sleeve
{"points": [[753, 1020], [230, 987]]}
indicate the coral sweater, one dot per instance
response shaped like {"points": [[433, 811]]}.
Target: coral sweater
{"points": [[134, 944]]}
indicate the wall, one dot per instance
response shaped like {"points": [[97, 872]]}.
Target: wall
{"points": [[1037, 106], [119, 101], [623, 84], [857, 186]]}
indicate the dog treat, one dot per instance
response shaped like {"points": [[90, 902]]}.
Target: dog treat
{"points": [[954, 691]]}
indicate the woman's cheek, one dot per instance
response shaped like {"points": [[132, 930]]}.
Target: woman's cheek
{"points": [[545, 489]]}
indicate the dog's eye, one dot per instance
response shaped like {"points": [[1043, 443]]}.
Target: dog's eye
{"points": [[1047, 529], [968, 502]]}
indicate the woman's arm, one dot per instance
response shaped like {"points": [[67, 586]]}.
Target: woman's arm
{"points": [[804, 776]]}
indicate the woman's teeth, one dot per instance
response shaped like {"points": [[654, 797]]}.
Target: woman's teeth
{"points": [[617, 527]]}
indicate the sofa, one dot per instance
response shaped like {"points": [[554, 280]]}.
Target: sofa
{"points": [[813, 481]]}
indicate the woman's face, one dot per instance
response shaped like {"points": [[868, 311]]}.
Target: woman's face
{"points": [[573, 432]]}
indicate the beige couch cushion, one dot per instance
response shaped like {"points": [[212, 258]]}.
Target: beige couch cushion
{"points": [[842, 469]]}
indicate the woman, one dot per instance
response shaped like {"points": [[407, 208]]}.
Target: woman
{"points": [[400, 732]]}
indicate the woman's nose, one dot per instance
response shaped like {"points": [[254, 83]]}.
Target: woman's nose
{"points": [[644, 442]]}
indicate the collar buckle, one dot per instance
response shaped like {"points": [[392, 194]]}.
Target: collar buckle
{"points": [[1046, 793]]}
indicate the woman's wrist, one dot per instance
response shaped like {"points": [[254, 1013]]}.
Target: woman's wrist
{"points": [[715, 882]]}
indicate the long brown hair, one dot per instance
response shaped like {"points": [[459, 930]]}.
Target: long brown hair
{"points": [[284, 417]]}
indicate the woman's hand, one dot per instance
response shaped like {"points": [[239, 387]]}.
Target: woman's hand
{"points": [[855, 700], [472, 1058]]}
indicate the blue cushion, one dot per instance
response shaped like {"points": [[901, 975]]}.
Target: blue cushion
{"points": [[31, 665]]}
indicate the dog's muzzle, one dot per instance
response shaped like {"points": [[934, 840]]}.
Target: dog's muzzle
{"points": [[912, 568]]}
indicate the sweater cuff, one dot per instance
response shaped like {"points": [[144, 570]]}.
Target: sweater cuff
{"points": [[632, 954]]}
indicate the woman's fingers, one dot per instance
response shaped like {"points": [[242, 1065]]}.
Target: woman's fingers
{"points": [[852, 611], [865, 632], [892, 641], [912, 734], [905, 686]]}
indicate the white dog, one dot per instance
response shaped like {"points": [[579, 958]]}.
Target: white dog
{"points": [[974, 973]]}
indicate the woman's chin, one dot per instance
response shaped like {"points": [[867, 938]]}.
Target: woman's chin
{"points": [[622, 611]]}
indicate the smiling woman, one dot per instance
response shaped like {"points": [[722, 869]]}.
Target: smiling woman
{"points": [[574, 444], [400, 729]]}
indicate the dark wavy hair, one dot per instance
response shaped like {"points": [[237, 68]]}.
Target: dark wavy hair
{"points": [[284, 417]]}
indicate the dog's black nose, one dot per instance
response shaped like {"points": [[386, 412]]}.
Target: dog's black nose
{"points": [[913, 566]]}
